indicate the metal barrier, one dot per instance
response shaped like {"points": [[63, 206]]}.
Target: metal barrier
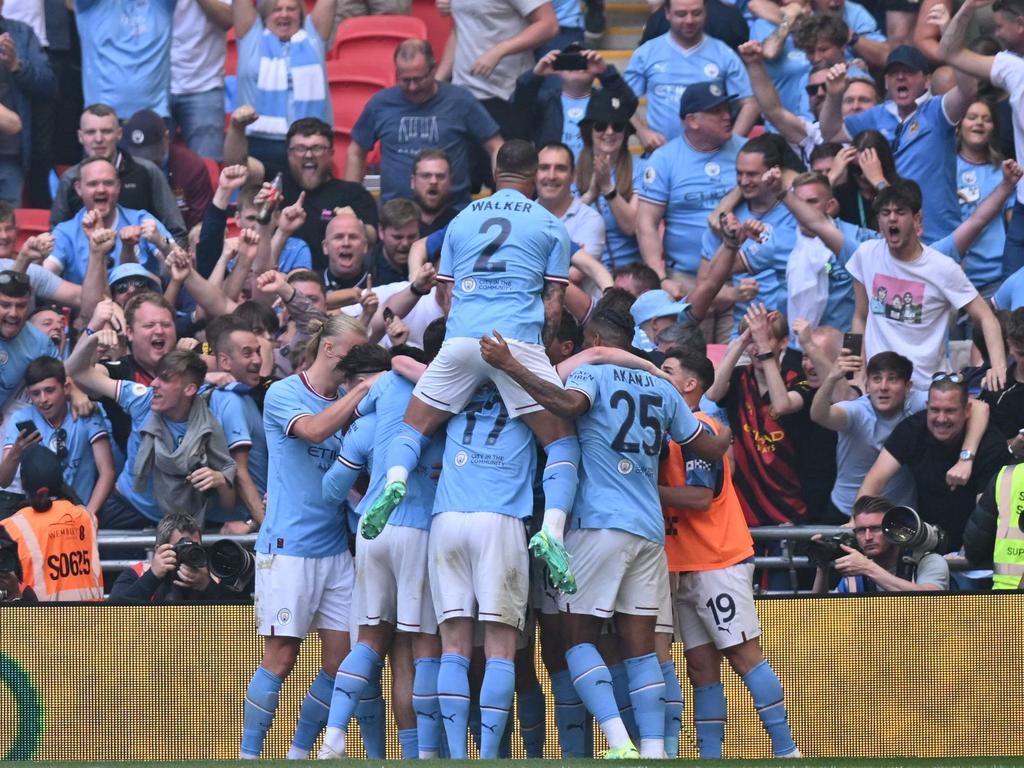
{"points": [[786, 534]]}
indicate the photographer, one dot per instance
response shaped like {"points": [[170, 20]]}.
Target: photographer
{"points": [[168, 578], [877, 564]]}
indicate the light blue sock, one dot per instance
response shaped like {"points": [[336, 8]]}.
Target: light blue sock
{"points": [[620, 687], [561, 473], [766, 690], [354, 675], [571, 716], [372, 716], [709, 713], [410, 744], [313, 712], [405, 448], [592, 681], [424, 703], [647, 692], [673, 708], [453, 698], [531, 710], [496, 694], [258, 712]]}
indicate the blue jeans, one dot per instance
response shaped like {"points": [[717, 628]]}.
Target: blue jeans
{"points": [[12, 179], [201, 119], [1013, 251]]}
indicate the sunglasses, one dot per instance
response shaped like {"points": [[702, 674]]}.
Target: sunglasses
{"points": [[129, 283], [956, 378], [60, 443], [13, 278], [814, 90], [601, 127]]}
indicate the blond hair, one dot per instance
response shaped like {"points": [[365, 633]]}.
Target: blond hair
{"points": [[329, 327]]}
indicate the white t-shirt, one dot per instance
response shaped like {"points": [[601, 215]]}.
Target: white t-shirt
{"points": [[1008, 74], [198, 49], [425, 311], [585, 227], [909, 304], [30, 12]]}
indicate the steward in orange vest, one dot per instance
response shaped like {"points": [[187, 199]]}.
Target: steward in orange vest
{"points": [[56, 536]]}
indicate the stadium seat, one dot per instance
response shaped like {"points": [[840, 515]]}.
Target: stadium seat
{"points": [[348, 97], [439, 27], [30, 221], [231, 60], [340, 158], [365, 45]]}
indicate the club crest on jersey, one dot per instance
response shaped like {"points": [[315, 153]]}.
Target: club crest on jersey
{"points": [[138, 389], [711, 70], [575, 113], [3, 357], [969, 177], [712, 169], [650, 174], [625, 466], [461, 458], [468, 284]]}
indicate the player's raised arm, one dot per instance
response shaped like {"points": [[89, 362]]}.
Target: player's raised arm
{"points": [[562, 402]]}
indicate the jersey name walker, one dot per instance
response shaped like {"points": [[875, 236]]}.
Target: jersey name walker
{"points": [[621, 438], [497, 253]]}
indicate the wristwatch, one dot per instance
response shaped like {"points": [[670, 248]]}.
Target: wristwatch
{"points": [[966, 455], [762, 356]]}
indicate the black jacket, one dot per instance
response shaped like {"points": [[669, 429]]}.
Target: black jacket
{"points": [[147, 588], [538, 111]]}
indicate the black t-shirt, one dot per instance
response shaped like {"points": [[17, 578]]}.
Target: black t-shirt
{"points": [[380, 269], [815, 455], [320, 204], [1007, 407], [443, 219], [913, 446]]}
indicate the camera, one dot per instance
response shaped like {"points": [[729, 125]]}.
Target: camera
{"points": [[191, 554], [828, 549], [905, 528], [9, 560], [232, 564]]}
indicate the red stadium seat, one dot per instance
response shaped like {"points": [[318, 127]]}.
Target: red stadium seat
{"points": [[30, 221], [340, 157], [365, 45], [231, 61], [348, 97], [439, 27]]}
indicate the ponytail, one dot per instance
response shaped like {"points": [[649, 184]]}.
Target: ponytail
{"points": [[332, 325]]}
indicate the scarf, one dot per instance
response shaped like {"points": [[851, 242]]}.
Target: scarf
{"points": [[291, 83], [203, 445], [807, 280]]}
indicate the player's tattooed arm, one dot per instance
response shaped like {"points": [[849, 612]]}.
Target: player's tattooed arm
{"points": [[554, 297], [567, 403], [608, 356]]}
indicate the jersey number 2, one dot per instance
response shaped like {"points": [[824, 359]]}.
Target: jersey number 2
{"points": [[483, 262], [647, 420]]}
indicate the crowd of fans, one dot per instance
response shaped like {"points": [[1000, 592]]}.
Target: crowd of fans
{"points": [[842, 169]]}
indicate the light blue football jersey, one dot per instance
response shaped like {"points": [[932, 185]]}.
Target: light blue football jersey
{"points": [[661, 69], [498, 252], [690, 184], [355, 458], [489, 460], [621, 437], [240, 417], [298, 521], [387, 400]]}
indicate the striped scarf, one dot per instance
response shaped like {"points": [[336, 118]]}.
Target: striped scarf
{"points": [[291, 83]]}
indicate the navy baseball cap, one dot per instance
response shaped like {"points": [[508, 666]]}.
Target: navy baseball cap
{"points": [[703, 97], [907, 56]]}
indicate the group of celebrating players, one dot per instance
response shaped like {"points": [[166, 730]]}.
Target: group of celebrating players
{"points": [[441, 561]]}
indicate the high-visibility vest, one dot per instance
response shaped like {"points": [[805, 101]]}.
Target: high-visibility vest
{"points": [[703, 540], [1008, 556], [59, 554]]}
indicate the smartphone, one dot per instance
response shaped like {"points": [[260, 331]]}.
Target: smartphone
{"points": [[567, 62], [388, 314], [853, 342], [29, 426]]}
